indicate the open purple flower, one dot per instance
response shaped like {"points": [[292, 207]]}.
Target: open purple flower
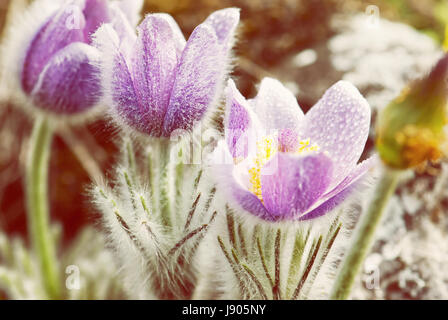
{"points": [[286, 165], [60, 71], [156, 82]]}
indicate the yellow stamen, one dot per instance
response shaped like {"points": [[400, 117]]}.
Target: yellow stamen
{"points": [[403, 94], [304, 146], [266, 149], [418, 144]]}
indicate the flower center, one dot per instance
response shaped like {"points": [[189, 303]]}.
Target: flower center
{"points": [[266, 149], [305, 146]]}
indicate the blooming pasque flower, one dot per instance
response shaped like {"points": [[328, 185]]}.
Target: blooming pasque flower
{"points": [[58, 70], [156, 82], [287, 165]]}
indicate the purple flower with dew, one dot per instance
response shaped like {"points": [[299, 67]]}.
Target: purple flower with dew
{"points": [[286, 165], [156, 82], [60, 70]]}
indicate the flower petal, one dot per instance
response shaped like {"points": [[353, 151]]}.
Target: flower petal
{"points": [[339, 124], [200, 73], [238, 123], [276, 106], [224, 22], [70, 82], [336, 196], [329, 205], [153, 68], [131, 8], [291, 184], [52, 37], [249, 202], [116, 79], [359, 171], [288, 140], [96, 12], [178, 37], [226, 174], [126, 34]]}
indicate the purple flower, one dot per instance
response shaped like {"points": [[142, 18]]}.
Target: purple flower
{"points": [[286, 165], [60, 71], [156, 82]]}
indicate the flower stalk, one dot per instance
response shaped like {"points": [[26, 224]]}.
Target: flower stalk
{"points": [[364, 234], [37, 201], [164, 149]]}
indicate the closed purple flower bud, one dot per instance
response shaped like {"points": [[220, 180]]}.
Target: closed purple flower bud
{"points": [[285, 165], [59, 69], [162, 83]]}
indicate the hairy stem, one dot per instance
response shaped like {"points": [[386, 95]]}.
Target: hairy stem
{"points": [[179, 174], [163, 149], [37, 206], [364, 234], [165, 183]]}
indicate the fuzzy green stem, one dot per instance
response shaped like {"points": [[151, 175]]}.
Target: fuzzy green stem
{"points": [[165, 183], [179, 182], [153, 177], [37, 202], [178, 169], [364, 234]]}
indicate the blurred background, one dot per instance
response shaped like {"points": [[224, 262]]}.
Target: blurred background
{"points": [[308, 45]]}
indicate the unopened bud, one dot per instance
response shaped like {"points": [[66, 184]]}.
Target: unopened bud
{"points": [[410, 129]]}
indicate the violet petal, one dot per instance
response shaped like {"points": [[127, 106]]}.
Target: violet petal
{"points": [[96, 12], [153, 71], [52, 37], [288, 140], [228, 177], [178, 36], [224, 22], [330, 204], [336, 196], [199, 75], [201, 70], [249, 202], [70, 82], [276, 106], [339, 124], [291, 184], [237, 122], [117, 79], [124, 30]]}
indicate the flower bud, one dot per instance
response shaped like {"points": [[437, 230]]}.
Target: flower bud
{"points": [[410, 130], [164, 83], [51, 57]]}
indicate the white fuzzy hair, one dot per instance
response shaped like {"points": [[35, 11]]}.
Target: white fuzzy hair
{"points": [[146, 264]]}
